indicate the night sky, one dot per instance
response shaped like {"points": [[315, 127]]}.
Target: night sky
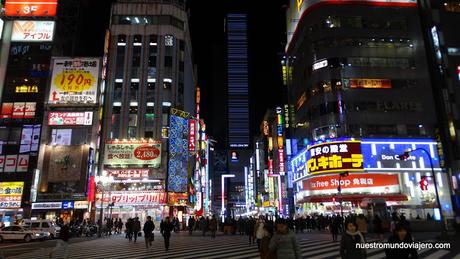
{"points": [[266, 44]]}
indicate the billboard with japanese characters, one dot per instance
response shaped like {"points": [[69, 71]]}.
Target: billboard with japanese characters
{"points": [[32, 31], [70, 118], [30, 8], [335, 157], [133, 153], [74, 81], [11, 194], [127, 198], [14, 163]]}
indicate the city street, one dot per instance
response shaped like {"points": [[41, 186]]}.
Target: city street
{"points": [[313, 245]]}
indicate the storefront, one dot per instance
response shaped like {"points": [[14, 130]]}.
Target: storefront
{"points": [[10, 202], [374, 180], [65, 210]]}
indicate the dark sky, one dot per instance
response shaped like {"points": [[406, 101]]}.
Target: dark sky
{"points": [[266, 43]]}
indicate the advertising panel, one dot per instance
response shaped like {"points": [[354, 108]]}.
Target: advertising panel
{"points": [[65, 163], [133, 153], [177, 199], [281, 162], [32, 31], [192, 135], [18, 110], [14, 163], [368, 83], [126, 198], [70, 118], [178, 154], [353, 183], [30, 8], [30, 138], [335, 157], [81, 205], [11, 194], [298, 8], [74, 81], [129, 173], [46, 205]]}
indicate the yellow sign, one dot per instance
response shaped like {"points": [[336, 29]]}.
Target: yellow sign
{"points": [[335, 157], [26, 89], [299, 4], [11, 188], [74, 81]]}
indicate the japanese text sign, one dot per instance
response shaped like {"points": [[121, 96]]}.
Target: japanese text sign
{"points": [[74, 80], [11, 194], [192, 135], [30, 8], [121, 198], [32, 31], [133, 153], [335, 157], [70, 118], [129, 173]]}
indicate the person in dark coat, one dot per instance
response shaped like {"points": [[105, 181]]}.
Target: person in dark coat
{"points": [[148, 229], [378, 228], [136, 228], [129, 229], [250, 226], [166, 227], [334, 227], [265, 252], [191, 225], [213, 226], [401, 235], [63, 242], [350, 238]]}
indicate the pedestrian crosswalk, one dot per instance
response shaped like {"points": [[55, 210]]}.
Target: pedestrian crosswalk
{"points": [[190, 247]]}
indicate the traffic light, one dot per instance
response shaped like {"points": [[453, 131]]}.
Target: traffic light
{"points": [[424, 183], [404, 156]]}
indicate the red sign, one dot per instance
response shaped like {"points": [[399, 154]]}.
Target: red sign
{"points": [[192, 135], [19, 110], [335, 157], [121, 198], [91, 189], [130, 173], [30, 8], [177, 198], [70, 118], [378, 183], [270, 167], [146, 152]]}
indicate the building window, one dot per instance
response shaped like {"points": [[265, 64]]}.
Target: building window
{"points": [[121, 40]]}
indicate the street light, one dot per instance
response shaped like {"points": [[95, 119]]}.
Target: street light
{"points": [[405, 156], [339, 189], [101, 181]]}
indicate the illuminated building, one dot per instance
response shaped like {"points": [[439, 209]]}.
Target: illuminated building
{"points": [[149, 98], [358, 69]]}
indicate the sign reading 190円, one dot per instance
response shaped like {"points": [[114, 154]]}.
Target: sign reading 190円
{"points": [[335, 157], [74, 81]]}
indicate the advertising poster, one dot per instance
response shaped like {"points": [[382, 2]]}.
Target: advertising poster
{"points": [[11, 194], [32, 31], [74, 81], [31, 8], [133, 153], [65, 163]]}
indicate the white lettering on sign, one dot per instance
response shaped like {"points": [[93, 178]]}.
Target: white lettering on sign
{"points": [[320, 64]]}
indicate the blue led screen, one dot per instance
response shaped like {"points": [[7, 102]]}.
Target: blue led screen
{"points": [[178, 154]]}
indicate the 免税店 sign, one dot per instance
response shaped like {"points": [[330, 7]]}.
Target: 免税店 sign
{"points": [[70, 118], [335, 157]]}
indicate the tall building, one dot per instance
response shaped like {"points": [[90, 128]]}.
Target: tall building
{"points": [[443, 44], [359, 82], [149, 96]]}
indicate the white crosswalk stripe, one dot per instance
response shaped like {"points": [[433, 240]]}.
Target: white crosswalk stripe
{"points": [[186, 247]]}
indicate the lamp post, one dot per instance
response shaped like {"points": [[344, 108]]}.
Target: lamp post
{"points": [[101, 181], [405, 156], [339, 189]]}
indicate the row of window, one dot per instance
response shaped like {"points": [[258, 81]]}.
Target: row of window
{"points": [[335, 42], [148, 20], [339, 84], [372, 62]]}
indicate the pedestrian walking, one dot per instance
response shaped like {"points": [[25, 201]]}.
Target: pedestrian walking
{"points": [[350, 239], [401, 235], [284, 242], [166, 227], [136, 228], [361, 221], [148, 229], [250, 225], [334, 228], [62, 242], [265, 252], [191, 225], [129, 229], [378, 226], [259, 230], [213, 226]]}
